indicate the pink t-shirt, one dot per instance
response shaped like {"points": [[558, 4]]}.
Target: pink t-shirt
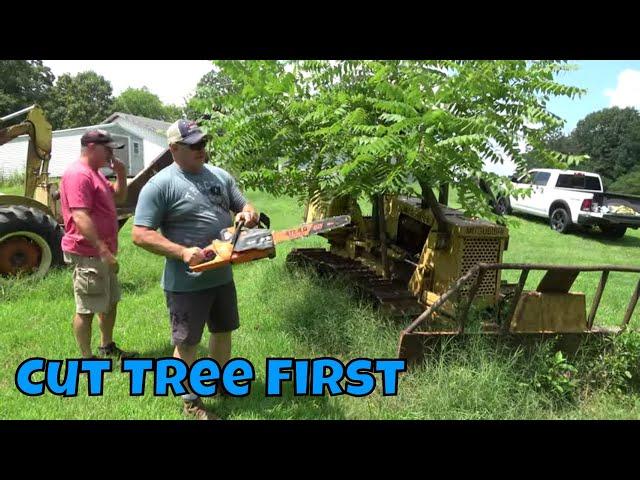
{"points": [[83, 187]]}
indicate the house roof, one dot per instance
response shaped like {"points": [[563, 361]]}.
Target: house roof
{"points": [[156, 126]]}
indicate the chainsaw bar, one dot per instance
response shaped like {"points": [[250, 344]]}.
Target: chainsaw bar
{"points": [[313, 228]]}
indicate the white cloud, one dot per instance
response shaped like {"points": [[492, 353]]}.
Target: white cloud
{"points": [[171, 80], [507, 168], [627, 92]]}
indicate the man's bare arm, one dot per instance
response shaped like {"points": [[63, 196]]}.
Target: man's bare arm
{"points": [[120, 185], [88, 230], [154, 242], [249, 208], [249, 214]]}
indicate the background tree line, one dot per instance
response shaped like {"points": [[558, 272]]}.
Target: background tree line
{"points": [[611, 139], [74, 100]]}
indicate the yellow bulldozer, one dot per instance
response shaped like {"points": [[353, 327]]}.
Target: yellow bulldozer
{"points": [[31, 224], [419, 259]]}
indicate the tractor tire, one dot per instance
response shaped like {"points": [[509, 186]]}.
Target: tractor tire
{"points": [[30, 242], [613, 231], [560, 220]]}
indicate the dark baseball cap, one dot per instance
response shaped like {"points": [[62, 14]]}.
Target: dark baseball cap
{"points": [[185, 131], [101, 137]]}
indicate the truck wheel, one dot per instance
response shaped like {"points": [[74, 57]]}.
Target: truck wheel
{"points": [[560, 220], [503, 206], [613, 231], [29, 242]]}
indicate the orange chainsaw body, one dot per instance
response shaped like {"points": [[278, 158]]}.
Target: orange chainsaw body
{"points": [[246, 245], [225, 256]]}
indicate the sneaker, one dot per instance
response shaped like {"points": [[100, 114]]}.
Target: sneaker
{"points": [[196, 409], [112, 350]]}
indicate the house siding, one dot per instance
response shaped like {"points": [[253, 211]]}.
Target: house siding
{"points": [[65, 149], [154, 142]]}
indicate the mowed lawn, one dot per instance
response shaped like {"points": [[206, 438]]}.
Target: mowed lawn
{"points": [[294, 314]]}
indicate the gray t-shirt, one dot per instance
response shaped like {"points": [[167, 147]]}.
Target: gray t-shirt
{"points": [[190, 209]]}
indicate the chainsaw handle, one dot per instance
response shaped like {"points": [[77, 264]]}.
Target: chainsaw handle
{"points": [[264, 221], [236, 234]]}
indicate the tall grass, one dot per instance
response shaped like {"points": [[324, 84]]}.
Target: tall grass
{"points": [[12, 183]]}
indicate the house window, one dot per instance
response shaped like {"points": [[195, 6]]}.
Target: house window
{"points": [[136, 148]]}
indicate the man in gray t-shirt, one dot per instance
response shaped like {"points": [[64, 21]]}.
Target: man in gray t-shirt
{"points": [[191, 202]]}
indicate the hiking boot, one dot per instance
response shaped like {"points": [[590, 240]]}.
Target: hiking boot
{"points": [[196, 409], [112, 350]]}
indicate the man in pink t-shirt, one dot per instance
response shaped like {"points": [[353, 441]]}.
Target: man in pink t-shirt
{"points": [[90, 241]]}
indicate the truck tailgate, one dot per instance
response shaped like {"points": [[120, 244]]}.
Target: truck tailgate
{"points": [[628, 220]]}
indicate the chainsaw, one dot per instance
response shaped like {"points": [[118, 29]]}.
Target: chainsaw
{"points": [[239, 244]]}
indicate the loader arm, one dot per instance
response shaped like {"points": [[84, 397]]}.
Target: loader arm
{"points": [[39, 151]]}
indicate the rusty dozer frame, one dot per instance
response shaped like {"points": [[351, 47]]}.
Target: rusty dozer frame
{"points": [[525, 310], [412, 254]]}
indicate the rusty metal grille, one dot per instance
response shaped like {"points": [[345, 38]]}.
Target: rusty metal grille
{"points": [[480, 250]]}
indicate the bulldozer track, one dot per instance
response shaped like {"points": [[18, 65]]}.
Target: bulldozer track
{"points": [[389, 296]]}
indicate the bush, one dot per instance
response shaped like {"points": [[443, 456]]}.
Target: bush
{"points": [[616, 368], [556, 376]]}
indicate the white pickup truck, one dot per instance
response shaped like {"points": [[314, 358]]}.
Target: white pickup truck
{"points": [[569, 198]]}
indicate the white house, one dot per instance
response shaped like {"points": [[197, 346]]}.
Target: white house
{"points": [[144, 140], [152, 132]]}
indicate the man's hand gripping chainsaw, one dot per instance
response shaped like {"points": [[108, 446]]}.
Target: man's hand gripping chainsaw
{"points": [[241, 245]]}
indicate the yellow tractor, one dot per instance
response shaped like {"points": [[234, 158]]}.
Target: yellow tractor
{"points": [[419, 259], [31, 224], [30, 230]]}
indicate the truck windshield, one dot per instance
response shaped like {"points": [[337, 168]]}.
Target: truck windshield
{"points": [[579, 182]]}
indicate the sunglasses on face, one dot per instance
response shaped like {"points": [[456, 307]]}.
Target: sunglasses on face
{"points": [[195, 146]]}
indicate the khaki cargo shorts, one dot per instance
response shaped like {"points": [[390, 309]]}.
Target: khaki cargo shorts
{"points": [[95, 285]]}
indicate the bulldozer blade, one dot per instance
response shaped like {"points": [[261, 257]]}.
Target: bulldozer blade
{"points": [[416, 347]]}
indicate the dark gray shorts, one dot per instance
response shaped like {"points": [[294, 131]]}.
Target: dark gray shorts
{"points": [[189, 311]]}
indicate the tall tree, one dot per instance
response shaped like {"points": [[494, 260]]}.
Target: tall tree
{"points": [[629, 183], [368, 127], [23, 83], [611, 138], [140, 101], [210, 94], [80, 100], [172, 112]]}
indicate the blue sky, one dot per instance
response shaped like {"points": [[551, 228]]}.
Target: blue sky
{"points": [[608, 83]]}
